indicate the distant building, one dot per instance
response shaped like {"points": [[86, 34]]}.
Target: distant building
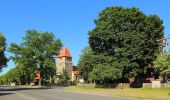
{"points": [[64, 61]]}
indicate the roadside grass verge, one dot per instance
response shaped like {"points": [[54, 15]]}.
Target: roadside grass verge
{"points": [[147, 94], [84, 88], [140, 93]]}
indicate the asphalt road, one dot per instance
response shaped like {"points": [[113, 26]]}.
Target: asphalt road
{"points": [[55, 93]]}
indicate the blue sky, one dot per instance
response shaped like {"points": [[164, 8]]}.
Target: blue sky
{"points": [[69, 20]]}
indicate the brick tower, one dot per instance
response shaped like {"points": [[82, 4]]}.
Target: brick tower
{"points": [[64, 61]]}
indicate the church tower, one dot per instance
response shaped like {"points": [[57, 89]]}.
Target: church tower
{"points": [[64, 61]]}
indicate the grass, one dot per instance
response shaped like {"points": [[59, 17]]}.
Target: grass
{"points": [[151, 94], [83, 88], [140, 93]]}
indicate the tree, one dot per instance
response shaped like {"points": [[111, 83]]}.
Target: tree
{"points": [[162, 64], [127, 35], [64, 77], [24, 74], [25, 62], [37, 51], [18, 74], [3, 59], [98, 68], [85, 63], [106, 70], [9, 77]]}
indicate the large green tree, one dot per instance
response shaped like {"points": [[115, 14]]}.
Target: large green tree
{"points": [[3, 59], [129, 37], [37, 51]]}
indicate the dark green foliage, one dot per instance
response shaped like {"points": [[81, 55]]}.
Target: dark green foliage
{"points": [[37, 51], [107, 71], [85, 64], [3, 59], [98, 68], [129, 37]]}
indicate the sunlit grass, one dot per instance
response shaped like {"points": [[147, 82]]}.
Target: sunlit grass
{"points": [[83, 88], [153, 94], [140, 93]]}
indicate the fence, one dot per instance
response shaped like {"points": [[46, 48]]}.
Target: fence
{"points": [[116, 85], [123, 85], [163, 85]]}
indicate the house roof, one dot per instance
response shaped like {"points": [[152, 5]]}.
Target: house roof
{"points": [[64, 53], [75, 71]]}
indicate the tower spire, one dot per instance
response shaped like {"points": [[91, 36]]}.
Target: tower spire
{"points": [[64, 52]]}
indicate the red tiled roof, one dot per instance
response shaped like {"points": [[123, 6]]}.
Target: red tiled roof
{"points": [[75, 71], [64, 53]]}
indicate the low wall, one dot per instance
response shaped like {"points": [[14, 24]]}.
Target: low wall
{"points": [[123, 85], [86, 84], [149, 85], [165, 85], [119, 85]]}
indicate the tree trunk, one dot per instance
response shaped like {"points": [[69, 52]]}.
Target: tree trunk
{"points": [[28, 78], [50, 80], [41, 75]]}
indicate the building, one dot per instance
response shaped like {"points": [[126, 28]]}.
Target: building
{"points": [[64, 61]]}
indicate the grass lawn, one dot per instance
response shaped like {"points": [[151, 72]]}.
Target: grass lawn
{"points": [[141, 93], [152, 94], [77, 88]]}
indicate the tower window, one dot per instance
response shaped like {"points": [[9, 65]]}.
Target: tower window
{"points": [[68, 59]]}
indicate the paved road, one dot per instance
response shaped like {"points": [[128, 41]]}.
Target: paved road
{"points": [[57, 93]]}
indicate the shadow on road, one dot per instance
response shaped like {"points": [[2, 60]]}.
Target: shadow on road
{"points": [[5, 90], [3, 94], [22, 88]]}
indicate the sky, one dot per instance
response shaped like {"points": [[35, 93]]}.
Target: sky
{"points": [[69, 20]]}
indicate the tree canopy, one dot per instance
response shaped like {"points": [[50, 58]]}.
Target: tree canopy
{"points": [[162, 64], [85, 63], [10, 76], [3, 59], [37, 51], [128, 38]]}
